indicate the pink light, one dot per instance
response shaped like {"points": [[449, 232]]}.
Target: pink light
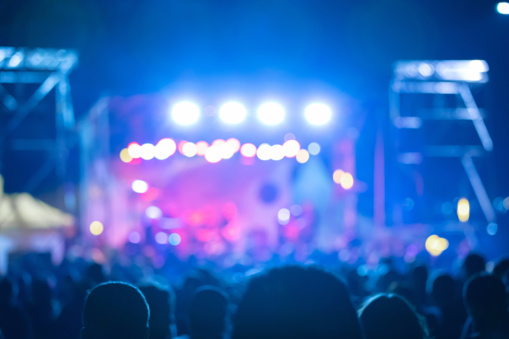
{"points": [[248, 150], [204, 235], [181, 145], [218, 142], [150, 195]]}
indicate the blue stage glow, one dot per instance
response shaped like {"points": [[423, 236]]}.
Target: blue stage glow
{"points": [[318, 114], [232, 113]]}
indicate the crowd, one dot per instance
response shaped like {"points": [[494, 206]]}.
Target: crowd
{"points": [[114, 301]]}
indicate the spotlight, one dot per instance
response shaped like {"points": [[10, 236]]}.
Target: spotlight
{"points": [[213, 154], [283, 216], [271, 113], [435, 245], [503, 8], [318, 114], [232, 113], [185, 113], [139, 186]]}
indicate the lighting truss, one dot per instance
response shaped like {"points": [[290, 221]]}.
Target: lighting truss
{"points": [[438, 79], [47, 69]]}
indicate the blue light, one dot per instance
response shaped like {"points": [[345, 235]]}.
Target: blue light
{"points": [[503, 8], [174, 239], [492, 228]]}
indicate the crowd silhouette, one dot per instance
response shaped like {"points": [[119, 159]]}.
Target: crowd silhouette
{"points": [[124, 300]]}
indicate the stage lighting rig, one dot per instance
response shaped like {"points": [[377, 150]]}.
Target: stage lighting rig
{"points": [[185, 113], [271, 113]]}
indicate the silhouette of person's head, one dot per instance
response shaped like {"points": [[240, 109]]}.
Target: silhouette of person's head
{"points": [[296, 302], [389, 316], [115, 310], [443, 290], [473, 264], [208, 311], [161, 302], [501, 268], [485, 299]]}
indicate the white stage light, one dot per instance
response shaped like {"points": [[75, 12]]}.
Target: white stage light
{"points": [[277, 152], [165, 148], [318, 114], [503, 8], [185, 113], [271, 113], [139, 186], [232, 113]]}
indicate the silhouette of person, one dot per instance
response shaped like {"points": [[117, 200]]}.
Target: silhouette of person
{"points": [[485, 298], [208, 312], [389, 316], [296, 302], [115, 310], [161, 302]]}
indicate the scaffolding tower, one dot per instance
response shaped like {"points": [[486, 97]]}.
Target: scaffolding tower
{"points": [[437, 123]]}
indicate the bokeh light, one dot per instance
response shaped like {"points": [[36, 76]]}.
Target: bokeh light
{"points": [[277, 152], [234, 144], [346, 181], [174, 239], [213, 154], [336, 176], [96, 228], [291, 148], [463, 210], [435, 245], [153, 212], [505, 203], [165, 148], [248, 150], [271, 113], [139, 186], [264, 152], [134, 238], [492, 228], [232, 113], [314, 148], [185, 113], [189, 149], [148, 151], [161, 238], [318, 114], [283, 216], [201, 148], [134, 150], [302, 156], [125, 156]]}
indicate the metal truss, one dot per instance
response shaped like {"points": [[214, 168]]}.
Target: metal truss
{"points": [[47, 70], [440, 78]]}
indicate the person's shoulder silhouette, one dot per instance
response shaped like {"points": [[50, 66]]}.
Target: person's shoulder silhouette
{"points": [[115, 310]]}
